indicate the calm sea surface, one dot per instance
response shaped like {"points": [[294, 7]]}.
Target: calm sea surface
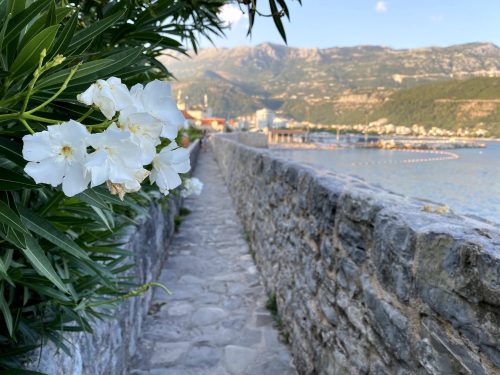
{"points": [[468, 185]]}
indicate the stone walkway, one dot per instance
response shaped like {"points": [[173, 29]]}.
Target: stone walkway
{"points": [[216, 321]]}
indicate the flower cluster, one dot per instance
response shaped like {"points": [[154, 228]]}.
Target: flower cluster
{"points": [[139, 118], [192, 186]]}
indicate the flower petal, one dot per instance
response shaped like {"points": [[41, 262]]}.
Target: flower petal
{"points": [[37, 146], [76, 180], [97, 167], [48, 171], [87, 97], [120, 92]]}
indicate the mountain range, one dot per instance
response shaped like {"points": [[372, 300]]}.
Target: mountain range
{"points": [[450, 87]]}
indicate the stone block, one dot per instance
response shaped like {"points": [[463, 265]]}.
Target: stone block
{"points": [[389, 322], [439, 353], [393, 253], [351, 237]]}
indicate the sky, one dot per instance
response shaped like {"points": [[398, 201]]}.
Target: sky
{"points": [[392, 23]]}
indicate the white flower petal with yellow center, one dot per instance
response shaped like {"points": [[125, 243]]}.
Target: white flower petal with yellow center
{"points": [[156, 99], [145, 131], [57, 156], [116, 159], [167, 165]]}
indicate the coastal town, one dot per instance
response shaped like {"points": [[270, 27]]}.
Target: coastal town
{"points": [[290, 133]]}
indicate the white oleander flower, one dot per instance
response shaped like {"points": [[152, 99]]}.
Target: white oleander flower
{"points": [[109, 96], [167, 165], [116, 159], [57, 156], [144, 130], [156, 99], [192, 186]]}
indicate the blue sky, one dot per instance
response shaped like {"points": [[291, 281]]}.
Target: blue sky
{"points": [[396, 23]]}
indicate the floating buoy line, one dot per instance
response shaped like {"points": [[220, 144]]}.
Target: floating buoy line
{"points": [[440, 156]]}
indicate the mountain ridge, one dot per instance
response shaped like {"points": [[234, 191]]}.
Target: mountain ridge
{"points": [[337, 81]]}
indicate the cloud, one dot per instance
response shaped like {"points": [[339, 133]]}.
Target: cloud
{"points": [[231, 14], [437, 19], [381, 7]]}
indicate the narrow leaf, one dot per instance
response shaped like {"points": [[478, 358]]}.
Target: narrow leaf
{"points": [[10, 180], [11, 219], [41, 263], [51, 15], [91, 197], [65, 36], [85, 70], [46, 230], [12, 151], [94, 30], [6, 312], [3, 272], [22, 19], [29, 56]]}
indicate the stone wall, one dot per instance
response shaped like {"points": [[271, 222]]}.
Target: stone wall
{"points": [[258, 140], [366, 281], [108, 349]]}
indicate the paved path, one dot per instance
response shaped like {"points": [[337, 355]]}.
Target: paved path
{"points": [[216, 322]]}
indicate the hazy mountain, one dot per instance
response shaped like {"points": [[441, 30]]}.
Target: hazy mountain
{"points": [[333, 85]]}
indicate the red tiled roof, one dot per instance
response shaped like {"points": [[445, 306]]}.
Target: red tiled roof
{"points": [[210, 121], [187, 116]]}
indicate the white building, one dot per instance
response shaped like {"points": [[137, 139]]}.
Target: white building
{"points": [[280, 123], [264, 118]]}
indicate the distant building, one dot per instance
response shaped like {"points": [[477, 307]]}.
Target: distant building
{"points": [[280, 123], [213, 123], [264, 119]]}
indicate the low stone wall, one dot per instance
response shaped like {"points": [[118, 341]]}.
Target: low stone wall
{"points": [[108, 349], [258, 140], [366, 281]]}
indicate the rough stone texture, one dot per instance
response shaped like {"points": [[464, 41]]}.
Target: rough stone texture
{"points": [[215, 322], [366, 281], [114, 341]]}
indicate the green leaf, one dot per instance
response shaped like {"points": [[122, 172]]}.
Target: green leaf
{"points": [[91, 197], [53, 202], [11, 219], [103, 217], [94, 30], [12, 151], [46, 230], [283, 5], [41, 263], [22, 19], [14, 237], [6, 312], [65, 36], [10, 180], [4, 267], [16, 6], [277, 19], [106, 196], [29, 56], [84, 71], [41, 22], [46, 291], [51, 15]]}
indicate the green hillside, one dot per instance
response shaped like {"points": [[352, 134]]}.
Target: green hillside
{"points": [[448, 105]]}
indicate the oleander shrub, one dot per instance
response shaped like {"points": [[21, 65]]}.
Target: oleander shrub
{"points": [[60, 264]]}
